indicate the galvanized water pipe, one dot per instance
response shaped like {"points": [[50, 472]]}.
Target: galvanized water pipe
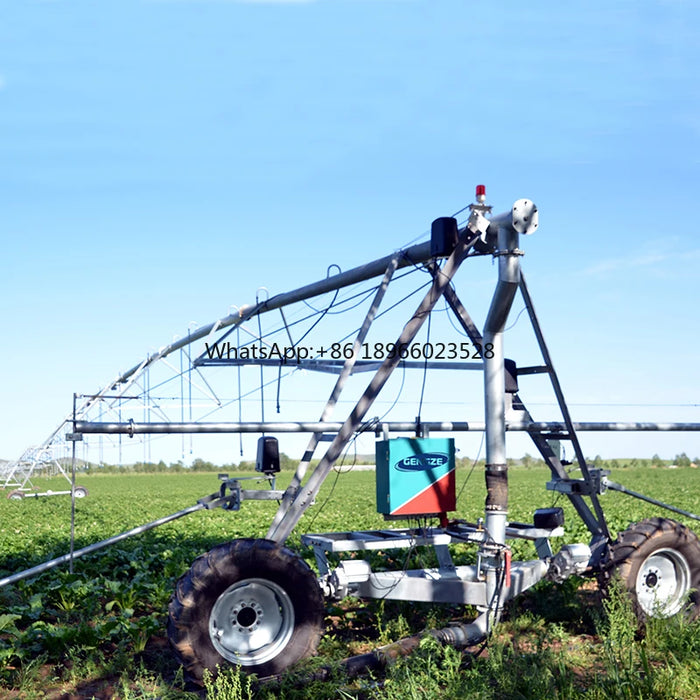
{"points": [[551, 427], [68, 558], [290, 516], [494, 382], [493, 555]]}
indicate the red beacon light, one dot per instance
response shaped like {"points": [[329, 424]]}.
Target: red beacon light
{"points": [[481, 193]]}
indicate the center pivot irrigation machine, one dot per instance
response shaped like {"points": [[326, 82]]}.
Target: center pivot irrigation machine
{"points": [[256, 603]]}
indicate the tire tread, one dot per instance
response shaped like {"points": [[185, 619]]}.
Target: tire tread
{"points": [[638, 542], [212, 573]]}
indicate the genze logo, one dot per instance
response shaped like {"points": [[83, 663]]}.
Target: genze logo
{"points": [[422, 462]]}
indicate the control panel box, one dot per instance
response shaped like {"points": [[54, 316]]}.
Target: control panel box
{"points": [[415, 476]]}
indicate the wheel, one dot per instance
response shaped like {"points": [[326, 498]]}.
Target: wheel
{"points": [[15, 495], [658, 561], [248, 602], [80, 492]]}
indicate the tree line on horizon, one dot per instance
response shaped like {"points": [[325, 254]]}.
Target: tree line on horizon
{"points": [[287, 463]]}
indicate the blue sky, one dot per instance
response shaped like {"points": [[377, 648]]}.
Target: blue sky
{"points": [[160, 161]]}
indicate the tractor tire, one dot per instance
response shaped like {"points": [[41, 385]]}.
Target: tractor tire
{"points": [[15, 495], [80, 492], [249, 602], [658, 561]]}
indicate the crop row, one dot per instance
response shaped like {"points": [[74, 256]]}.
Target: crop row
{"points": [[109, 614]]}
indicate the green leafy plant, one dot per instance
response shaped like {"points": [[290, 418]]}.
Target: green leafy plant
{"points": [[228, 684], [108, 617]]}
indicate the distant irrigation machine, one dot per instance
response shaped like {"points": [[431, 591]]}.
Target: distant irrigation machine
{"points": [[257, 604]]}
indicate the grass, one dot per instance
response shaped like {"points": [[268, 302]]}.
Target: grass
{"points": [[100, 630]]}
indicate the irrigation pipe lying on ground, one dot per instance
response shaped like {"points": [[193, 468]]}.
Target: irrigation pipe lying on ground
{"points": [[40, 568]]}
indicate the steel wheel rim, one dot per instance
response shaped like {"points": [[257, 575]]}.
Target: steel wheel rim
{"points": [[663, 583], [251, 622]]}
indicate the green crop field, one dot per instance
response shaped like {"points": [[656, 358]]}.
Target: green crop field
{"points": [[100, 631]]}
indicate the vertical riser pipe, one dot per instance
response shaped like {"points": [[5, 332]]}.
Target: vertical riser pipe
{"points": [[496, 509]]}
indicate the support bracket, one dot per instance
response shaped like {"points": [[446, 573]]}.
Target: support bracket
{"points": [[596, 483]]}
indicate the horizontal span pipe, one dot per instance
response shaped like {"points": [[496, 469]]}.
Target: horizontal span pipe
{"points": [[336, 366], [415, 254], [556, 428], [40, 568], [611, 426]]}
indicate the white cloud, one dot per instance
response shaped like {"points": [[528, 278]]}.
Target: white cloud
{"points": [[643, 260], [615, 264]]}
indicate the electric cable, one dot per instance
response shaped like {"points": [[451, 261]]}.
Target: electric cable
{"points": [[425, 234], [364, 296], [474, 463], [319, 510], [353, 333], [301, 320], [328, 276], [517, 318], [243, 396], [391, 408], [320, 318], [279, 386], [425, 370], [459, 329]]}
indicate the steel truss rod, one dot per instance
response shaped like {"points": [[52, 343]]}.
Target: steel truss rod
{"points": [[412, 255], [552, 430], [289, 517], [407, 257], [462, 315], [345, 372], [613, 486], [336, 366], [548, 363], [599, 527], [536, 431]]}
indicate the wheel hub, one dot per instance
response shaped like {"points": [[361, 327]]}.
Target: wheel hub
{"points": [[652, 579], [251, 621], [247, 617], [663, 583]]}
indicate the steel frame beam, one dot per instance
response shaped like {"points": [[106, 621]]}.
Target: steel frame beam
{"points": [[553, 429], [293, 508], [121, 384]]}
